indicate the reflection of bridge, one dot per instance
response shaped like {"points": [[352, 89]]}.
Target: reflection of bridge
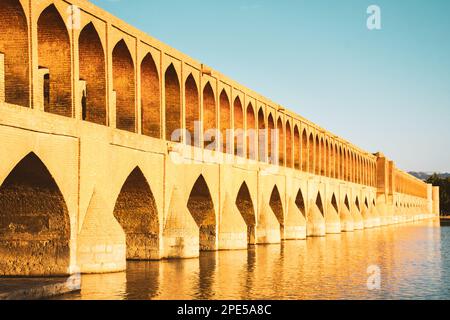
{"points": [[87, 178]]}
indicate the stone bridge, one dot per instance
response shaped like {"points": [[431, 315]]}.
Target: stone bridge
{"points": [[94, 171]]}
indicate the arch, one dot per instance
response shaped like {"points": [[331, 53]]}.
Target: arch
{"points": [[366, 202], [334, 202], [297, 144], [271, 149], [34, 222], [357, 204], [281, 143], [123, 84], [289, 162], [327, 159], [341, 164], [319, 204], [209, 115], [14, 45], [54, 54], [322, 157], [192, 110], [318, 155], [332, 160], [136, 212], [276, 204], [150, 98], [347, 203], [311, 149], [251, 133], [173, 102], [93, 71], [304, 151], [262, 136], [201, 207], [245, 206], [238, 128], [225, 120], [300, 202]]}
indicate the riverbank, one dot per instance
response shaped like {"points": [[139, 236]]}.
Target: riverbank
{"points": [[37, 288]]}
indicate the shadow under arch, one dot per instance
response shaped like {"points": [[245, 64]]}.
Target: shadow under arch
{"points": [[245, 206], [347, 203], [300, 202], [34, 222], [319, 204], [136, 212], [277, 207], [201, 207], [334, 203], [14, 44]]}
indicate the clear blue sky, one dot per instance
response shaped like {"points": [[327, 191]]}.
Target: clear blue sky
{"points": [[386, 90]]}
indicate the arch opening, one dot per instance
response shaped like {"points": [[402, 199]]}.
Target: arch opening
{"points": [[251, 133], [289, 162], [201, 207], [238, 128], [311, 149], [300, 202], [297, 144], [281, 143], [209, 117], [123, 84], [34, 222], [347, 203], [262, 136], [93, 71], [245, 206], [136, 212], [271, 140], [334, 203], [276, 204], [304, 151], [225, 121], [319, 204], [192, 110], [150, 98], [357, 204], [173, 104], [54, 54], [14, 45]]}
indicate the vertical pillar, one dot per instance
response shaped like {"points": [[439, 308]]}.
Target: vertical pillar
{"points": [[436, 204], [2, 77]]}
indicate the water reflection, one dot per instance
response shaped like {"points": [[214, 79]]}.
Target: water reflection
{"points": [[414, 261]]}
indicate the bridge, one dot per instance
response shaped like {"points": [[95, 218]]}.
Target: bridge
{"points": [[115, 146]]}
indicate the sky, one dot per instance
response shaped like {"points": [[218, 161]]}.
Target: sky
{"points": [[384, 90]]}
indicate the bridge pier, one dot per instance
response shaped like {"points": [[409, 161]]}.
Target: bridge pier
{"points": [[232, 228], [268, 227], [332, 220], [347, 223], [295, 225], [315, 222]]}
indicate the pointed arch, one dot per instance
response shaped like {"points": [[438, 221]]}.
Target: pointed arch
{"points": [[14, 45], [317, 158], [201, 207], [245, 206], [319, 204], [300, 202], [357, 204], [251, 132], [225, 121], [322, 157], [238, 128], [346, 202], [297, 145], [123, 84], [93, 71], [280, 140], [136, 212], [311, 149], [173, 102], [271, 149], [262, 136], [334, 203], [52, 33], [305, 152], [34, 222], [192, 110], [209, 115], [289, 162], [150, 98], [327, 158], [276, 204]]}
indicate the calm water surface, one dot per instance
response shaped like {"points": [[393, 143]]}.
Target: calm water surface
{"points": [[414, 260]]}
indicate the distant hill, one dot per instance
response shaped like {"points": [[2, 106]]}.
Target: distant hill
{"points": [[425, 175]]}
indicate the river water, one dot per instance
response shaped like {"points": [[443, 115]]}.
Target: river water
{"points": [[412, 261]]}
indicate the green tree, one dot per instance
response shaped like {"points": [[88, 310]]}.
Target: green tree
{"points": [[444, 187]]}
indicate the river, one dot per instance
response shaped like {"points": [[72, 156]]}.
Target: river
{"points": [[409, 261]]}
